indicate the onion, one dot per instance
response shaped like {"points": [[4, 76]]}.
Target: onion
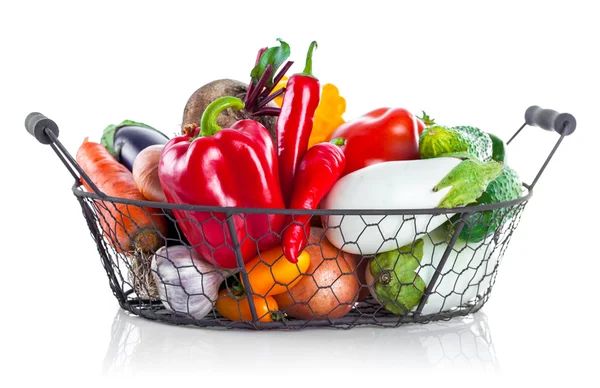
{"points": [[186, 283], [145, 173]]}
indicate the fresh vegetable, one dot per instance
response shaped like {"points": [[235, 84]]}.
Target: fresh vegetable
{"points": [[329, 288], [258, 104], [270, 273], [206, 94], [466, 274], [423, 122], [439, 140], [498, 149], [393, 279], [319, 169], [237, 308], [384, 134], [505, 187], [224, 167], [126, 140], [127, 227], [411, 184], [328, 115], [145, 176], [141, 277], [295, 122], [186, 283], [468, 181], [145, 173]]}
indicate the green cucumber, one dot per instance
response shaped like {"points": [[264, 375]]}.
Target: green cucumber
{"points": [[498, 151], [438, 140], [504, 188]]}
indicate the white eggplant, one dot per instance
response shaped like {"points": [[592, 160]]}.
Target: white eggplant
{"points": [[467, 273], [186, 283], [388, 185]]}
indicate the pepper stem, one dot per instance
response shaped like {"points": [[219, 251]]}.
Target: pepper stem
{"points": [[208, 123], [237, 287], [278, 316], [338, 141], [308, 68]]}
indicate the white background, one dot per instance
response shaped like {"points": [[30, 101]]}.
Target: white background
{"points": [[469, 63]]}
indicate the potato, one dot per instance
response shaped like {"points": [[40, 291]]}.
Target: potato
{"points": [[206, 94], [329, 288]]}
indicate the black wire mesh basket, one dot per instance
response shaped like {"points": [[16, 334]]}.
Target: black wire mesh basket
{"points": [[424, 261]]}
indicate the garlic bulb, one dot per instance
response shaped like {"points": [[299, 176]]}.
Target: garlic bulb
{"points": [[186, 283]]}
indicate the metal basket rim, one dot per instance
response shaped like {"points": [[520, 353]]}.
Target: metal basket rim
{"points": [[79, 192]]}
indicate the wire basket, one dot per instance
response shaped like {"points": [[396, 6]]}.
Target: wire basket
{"points": [[429, 258]]}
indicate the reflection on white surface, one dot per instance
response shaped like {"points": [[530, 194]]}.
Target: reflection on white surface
{"points": [[140, 345]]}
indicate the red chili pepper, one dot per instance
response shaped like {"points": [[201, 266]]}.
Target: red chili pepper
{"points": [[224, 167], [381, 135], [295, 122], [318, 171]]}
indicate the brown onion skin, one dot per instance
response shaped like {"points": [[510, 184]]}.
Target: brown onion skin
{"points": [[145, 173], [329, 287]]}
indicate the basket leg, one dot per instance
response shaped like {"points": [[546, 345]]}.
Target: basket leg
{"points": [[240, 263]]}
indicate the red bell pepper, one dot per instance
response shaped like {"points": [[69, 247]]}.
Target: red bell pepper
{"points": [[295, 122], [381, 135], [234, 167], [320, 168]]}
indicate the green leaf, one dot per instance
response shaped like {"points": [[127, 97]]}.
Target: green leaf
{"points": [[108, 138], [426, 119], [468, 181], [131, 123], [274, 56]]}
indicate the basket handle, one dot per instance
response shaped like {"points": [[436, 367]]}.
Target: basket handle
{"points": [[37, 124], [562, 123], [46, 132], [550, 120]]}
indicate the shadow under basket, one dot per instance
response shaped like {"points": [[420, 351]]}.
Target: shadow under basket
{"points": [[433, 264]]}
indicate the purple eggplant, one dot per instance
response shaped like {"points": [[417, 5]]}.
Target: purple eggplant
{"points": [[127, 139]]}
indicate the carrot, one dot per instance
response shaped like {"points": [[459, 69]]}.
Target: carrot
{"points": [[128, 227]]}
